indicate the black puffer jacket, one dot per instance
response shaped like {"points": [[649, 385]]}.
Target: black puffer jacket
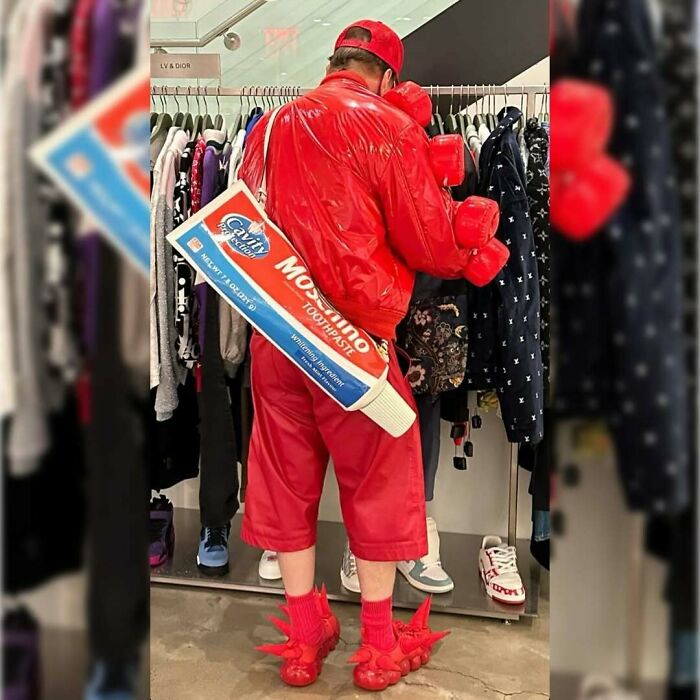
{"points": [[504, 345]]}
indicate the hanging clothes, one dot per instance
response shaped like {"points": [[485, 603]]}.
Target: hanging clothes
{"points": [[79, 69], [676, 535], [538, 458], [186, 343], [170, 372], [504, 317], [28, 394], [117, 494], [618, 295], [537, 188], [218, 491], [236, 157], [434, 336]]}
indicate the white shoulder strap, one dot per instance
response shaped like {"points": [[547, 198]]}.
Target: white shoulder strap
{"points": [[262, 192]]}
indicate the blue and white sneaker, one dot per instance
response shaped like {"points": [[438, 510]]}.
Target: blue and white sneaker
{"points": [[348, 570], [112, 682], [426, 574], [212, 556]]}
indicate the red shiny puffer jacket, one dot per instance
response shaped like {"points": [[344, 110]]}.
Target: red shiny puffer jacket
{"points": [[350, 183]]}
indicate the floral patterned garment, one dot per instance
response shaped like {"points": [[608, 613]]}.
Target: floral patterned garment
{"points": [[436, 341]]}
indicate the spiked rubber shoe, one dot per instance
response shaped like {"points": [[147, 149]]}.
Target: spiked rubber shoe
{"points": [[302, 663], [377, 669]]}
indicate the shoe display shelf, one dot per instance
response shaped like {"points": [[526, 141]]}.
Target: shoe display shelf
{"points": [[459, 555]]}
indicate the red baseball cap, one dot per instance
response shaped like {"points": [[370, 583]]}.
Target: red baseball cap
{"points": [[384, 42]]}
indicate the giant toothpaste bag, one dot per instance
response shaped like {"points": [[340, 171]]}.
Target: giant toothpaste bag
{"points": [[247, 259]]}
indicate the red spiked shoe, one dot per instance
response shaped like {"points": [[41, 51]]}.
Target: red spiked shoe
{"points": [[377, 669], [302, 663]]}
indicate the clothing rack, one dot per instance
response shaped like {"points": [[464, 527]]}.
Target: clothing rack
{"points": [[465, 95], [528, 93]]}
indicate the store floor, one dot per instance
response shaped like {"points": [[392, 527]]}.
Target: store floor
{"points": [[202, 648]]}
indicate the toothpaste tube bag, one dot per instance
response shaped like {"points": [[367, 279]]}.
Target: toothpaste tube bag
{"points": [[249, 261]]}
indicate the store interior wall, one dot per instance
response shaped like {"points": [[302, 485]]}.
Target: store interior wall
{"points": [[589, 585], [474, 42]]}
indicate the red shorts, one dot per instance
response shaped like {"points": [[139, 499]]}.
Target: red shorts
{"points": [[296, 428]]}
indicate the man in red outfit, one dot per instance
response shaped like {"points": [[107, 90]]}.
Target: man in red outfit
{"points": [[351, 183]]}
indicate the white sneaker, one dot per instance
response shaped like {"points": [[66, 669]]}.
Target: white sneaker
{"points": [[269, 566], [426, 574], [499, 571], [348, 571]]}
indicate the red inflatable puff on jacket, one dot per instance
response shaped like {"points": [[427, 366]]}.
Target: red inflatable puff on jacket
{"points": [[581, 202], [413, 100], [486, 262], [447, 159], [586, 185], [476, 221], [581, 125]]}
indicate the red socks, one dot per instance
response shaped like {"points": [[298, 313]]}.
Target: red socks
{"points": [[305, 616], [376, 620]]}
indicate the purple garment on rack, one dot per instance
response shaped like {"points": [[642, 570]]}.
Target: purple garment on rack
{"points": [[114, 30], [210, 182], [210, 174], [89, 255], [112, 38]]}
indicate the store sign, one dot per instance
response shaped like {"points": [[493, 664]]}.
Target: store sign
{"points": [[186, 65], [100, 159]]}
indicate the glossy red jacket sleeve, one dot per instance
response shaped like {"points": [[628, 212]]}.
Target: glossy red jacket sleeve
{"points": [[417, 212]]}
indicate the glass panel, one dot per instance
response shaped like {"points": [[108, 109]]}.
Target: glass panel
{"points": [[285, 42]]}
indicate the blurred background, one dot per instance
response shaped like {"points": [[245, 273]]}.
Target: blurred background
{"points": [[78, 439], [75, 587], [624, 587]]}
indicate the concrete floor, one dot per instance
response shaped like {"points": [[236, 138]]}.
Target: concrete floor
{"points": [[202, 648]]}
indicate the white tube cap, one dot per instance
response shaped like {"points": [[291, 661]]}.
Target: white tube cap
{"points": [[390, 411]]}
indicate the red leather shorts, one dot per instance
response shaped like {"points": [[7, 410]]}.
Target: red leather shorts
{"points": [[297, 427]]}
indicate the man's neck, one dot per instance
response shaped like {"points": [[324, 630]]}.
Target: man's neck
{"points": [[347, 74]]}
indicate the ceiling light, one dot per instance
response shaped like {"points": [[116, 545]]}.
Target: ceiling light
{"points": [[318, 20], [325, 24]]}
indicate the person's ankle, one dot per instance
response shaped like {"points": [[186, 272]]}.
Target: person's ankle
{"points": [[305, 616], [377, 626]]}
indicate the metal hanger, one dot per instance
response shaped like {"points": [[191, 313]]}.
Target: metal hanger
{"points": [[219, 121], [154, 111], [198, 120], [490, 117], [236, 121], [518, 126], [179, 117], [543, 98], [208, 121], [163, 122], [182, 119], [461, 120], [436, 122], [188, 122], [478, 116], [452, 123]]}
